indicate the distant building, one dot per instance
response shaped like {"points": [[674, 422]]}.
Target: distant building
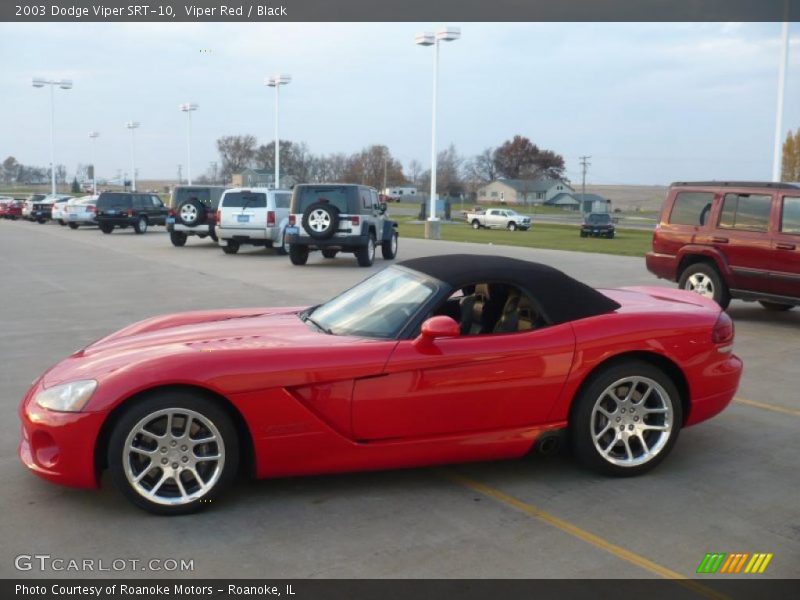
{"points": [[523, 191], [260, 178], [593, 203], [564, 200]]}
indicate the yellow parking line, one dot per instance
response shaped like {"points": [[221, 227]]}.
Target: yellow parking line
{"points": [[581, 534], [765, 406]]}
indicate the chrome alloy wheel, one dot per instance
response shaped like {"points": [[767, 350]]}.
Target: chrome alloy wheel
{"points": [[700, 283], [631, 421], [173, 456], [188, 213], [319, 220]]}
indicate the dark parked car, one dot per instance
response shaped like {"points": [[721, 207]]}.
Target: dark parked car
{"points": [[727, 240], [121, 209], [598, 225], [193, 211]]}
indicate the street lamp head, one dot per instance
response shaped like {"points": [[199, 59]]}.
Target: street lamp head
{"points": [[132, 124], [39, 82], [424, 38], [94, 134], [188, 106], [448, 34], [65, 84], [276, 80]]}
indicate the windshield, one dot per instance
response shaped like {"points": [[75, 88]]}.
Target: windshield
{"points": [[377, 307], [599, 219], [337, 195]]}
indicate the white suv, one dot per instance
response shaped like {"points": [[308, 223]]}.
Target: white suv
{"points": [[255, 216]]}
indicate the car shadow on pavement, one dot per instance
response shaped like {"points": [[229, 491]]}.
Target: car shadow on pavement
{"points": [[753, 312]]}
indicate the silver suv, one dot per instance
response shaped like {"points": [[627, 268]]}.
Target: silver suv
{"points": [[337, 218], [255, 216]]}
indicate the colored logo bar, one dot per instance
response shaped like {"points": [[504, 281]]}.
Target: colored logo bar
{"points": [[737, 562]]}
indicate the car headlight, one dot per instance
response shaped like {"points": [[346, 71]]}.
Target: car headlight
{"points": [[68, 397]]}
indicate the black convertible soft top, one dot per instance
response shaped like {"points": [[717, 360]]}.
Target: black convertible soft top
{"points": [[561, 298]]}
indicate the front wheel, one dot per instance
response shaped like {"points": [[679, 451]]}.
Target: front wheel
{"points": [[389, 247], [705, 280], [775, 306], [178, 238], [298, 254], [365, 255], [512, 226], [173, 452], [626, 419]]}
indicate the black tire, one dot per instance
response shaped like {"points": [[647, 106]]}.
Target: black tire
{"points": [[321, 220], [705, 271], [298, 254], [106, 227], [581, 427], [775, 306], [41, 221], [584, 234], [232, 247], [511, 226], [62, 222], [132, 417], [329, 253], [282, 250], [611, 236], [140, 227], [178, 238], [389, 247], [365, 255], [74, 225], [476, 224], [191, 212]]}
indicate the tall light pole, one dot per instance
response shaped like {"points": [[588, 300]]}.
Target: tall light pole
{"points": [[188, 107], [445, 34], [777, 155], [277, 81], [64, 84], [93, 135], [133, 126]]}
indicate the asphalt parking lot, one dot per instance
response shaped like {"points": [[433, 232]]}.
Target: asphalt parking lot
{"points": [[730, 485]]}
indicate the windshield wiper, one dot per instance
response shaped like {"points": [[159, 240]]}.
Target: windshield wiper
{"points": [[308, 319]]}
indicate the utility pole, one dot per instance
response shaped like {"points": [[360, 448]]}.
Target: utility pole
{"points": [[777, 155], [180, 175], [214, 171], [585, 164], [384, 174]]}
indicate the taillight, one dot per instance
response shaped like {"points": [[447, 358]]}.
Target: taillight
{"points": [[292, 220], [723, 332], [270, 218], [130, 213], [219, 216], [91, 208], [355, 220], [171, 212]]}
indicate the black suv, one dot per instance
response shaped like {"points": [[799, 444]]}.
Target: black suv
{"points": [[121, 209], [598, 224], [193, 211], [338, 217]]}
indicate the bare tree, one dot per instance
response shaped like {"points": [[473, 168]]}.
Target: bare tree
{"points": [[236, 153], [414, 171]]}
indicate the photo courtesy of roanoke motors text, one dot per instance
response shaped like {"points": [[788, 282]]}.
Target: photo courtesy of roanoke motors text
{"points": [[350, 299]]}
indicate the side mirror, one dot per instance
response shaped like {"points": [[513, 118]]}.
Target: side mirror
{"points": [[438, 327], [382, 207]]}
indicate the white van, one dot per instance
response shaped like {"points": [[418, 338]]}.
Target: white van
{"points": [[255, 216]]}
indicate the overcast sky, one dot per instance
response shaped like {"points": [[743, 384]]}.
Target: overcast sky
{"points": [[651, 102]]}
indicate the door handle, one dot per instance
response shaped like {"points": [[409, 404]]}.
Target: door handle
{"points": [[782, 246], [719, 240]]}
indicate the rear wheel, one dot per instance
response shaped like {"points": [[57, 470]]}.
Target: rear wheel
{"points": [[705, 280], [106, 228], [172, 452], [329, 253], [62, 222], [41, 221], [178, 238], [298, 254], [476, 224], [775, 306], [140, 227], [73, 225], [626, 419], [389, 247], [365, 255], [232, 247], [282, 250]]}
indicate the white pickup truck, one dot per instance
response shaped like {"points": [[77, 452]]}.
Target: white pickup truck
{"points": [[498, 218]]}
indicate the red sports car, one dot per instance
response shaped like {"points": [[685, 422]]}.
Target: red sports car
{"points": [[434, 360]]}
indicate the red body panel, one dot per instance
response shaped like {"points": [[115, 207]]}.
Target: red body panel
{"points": [[316, 403]]}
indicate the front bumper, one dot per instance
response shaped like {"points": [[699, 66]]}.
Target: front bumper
{"points": [[59, 446], [343, 241]]}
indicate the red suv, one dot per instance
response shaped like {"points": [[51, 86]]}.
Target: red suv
{"points": [[728, 240]]}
